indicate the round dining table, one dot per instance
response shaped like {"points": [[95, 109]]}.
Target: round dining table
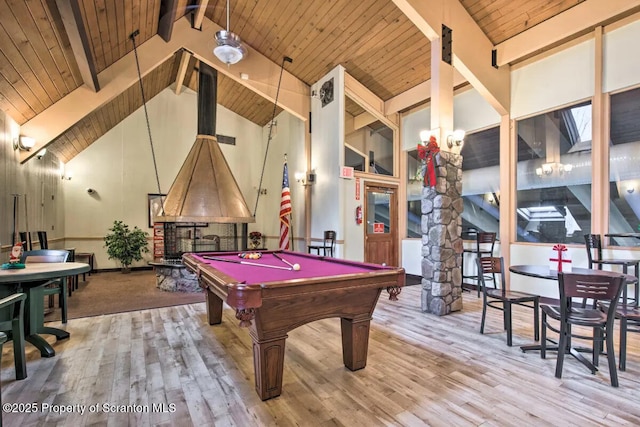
{"points": [[31, 281]]}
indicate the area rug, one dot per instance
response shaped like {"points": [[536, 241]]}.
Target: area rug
{"points": [[114, 292]]}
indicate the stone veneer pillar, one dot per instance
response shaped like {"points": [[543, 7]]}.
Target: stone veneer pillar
{"points": [[442, 207]]}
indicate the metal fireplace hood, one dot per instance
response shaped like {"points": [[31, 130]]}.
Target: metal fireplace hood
{"points": [[205, 189]]}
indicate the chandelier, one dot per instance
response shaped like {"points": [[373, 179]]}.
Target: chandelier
{"points": [[229, 47], [547, 168]]}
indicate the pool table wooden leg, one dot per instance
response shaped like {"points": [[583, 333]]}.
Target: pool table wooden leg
{"points": [[214, 308], [268, 365], [355, 342]]}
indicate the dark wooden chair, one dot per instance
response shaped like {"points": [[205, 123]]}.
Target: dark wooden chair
{"points": [[502, 299], [593, 244], [597, 288], [42, 238], [328, 245], [629, 316], [12, 326], [485, 243], [51, 287], [25, 238]]}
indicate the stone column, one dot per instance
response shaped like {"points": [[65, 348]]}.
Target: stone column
{"points": [[442, 207]]}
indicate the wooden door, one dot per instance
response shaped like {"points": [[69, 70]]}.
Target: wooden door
{"points": [[381, 220]]}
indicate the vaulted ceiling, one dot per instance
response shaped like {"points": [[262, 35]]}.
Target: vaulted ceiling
{"points": [[376, 42]]}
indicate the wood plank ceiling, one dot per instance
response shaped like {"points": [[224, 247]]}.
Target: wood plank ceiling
{"points": [[372, 39]]}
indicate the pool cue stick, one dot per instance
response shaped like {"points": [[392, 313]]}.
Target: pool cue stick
{"points": [[246, 263], [282, 259]]}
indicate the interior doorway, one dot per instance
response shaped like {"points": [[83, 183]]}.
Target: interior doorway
{"points": [[381, 232]]}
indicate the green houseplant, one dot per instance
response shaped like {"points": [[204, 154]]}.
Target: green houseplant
{"points": [[126, 245]]}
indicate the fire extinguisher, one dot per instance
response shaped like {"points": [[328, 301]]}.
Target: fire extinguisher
{"points": [[359, 215]]}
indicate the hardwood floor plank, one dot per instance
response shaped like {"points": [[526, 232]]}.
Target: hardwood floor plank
{"points": [[421, 370]]}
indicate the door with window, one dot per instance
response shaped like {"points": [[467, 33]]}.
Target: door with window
{"points": [[381, 234]]}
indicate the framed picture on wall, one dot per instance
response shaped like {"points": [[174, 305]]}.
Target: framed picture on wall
{"points": [[154, 204]]}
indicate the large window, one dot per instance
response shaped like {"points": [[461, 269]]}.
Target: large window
{"points": [[414, 195], [554, 176], [481, 181], [624, 161]]}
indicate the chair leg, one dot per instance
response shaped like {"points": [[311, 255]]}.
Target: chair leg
{"points": [[562, 347], [536, 319], [19, 357], [484, 313], [611, 356], [543, 337], [63, 299], [623, 343], [597, 345], [507, 319]]}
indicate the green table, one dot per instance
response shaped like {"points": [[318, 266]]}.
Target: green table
{"points": [[30, 280]]}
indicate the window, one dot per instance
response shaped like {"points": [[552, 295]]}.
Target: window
{"points": [[414, 195], [481, 181], [554, 176], [624, 154]]}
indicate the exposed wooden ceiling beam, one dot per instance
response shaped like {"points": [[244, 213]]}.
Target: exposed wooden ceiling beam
{"points": [[369, 101], [582, 17], [168, 10], [416, 95], [198, 14], [77, 33], [471, 47], [294, 95], [182, 70]]}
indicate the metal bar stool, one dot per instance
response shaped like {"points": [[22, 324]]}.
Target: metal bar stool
{"points": [[485, 242]]}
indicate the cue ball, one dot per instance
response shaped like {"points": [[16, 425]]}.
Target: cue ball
{"points": [[296, 267], [384, 264]]}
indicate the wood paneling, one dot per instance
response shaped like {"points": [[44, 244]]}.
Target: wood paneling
{"points": [[372, 39], [503, 19], [96, 124]]}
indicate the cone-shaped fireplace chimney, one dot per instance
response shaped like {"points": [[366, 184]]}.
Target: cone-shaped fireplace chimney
{"points": [[205, 190]]}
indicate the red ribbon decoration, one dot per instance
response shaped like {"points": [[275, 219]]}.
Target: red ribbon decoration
{"points": [[427, 155], [560, 248]]}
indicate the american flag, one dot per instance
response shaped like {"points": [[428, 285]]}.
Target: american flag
{"points": [[285, 209]]}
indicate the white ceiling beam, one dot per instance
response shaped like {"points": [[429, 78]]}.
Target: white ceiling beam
{"points": [[580, 18], [416, 95], [54, 121], [471, 48], [79, 40], [182, 70], [198, 14]]}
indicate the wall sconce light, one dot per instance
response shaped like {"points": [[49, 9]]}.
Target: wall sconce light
{"points": [[23, 143], [41, 153], [456, 137], [305, 179]]}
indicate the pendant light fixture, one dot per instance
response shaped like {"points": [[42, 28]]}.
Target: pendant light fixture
{"points": [[229, 47]]}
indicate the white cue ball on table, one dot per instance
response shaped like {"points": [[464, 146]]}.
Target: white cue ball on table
{"points": [[296, 267]]}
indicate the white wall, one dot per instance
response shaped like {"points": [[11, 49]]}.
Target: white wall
{"points": [[287, 138], [119, 166], [563, 78], [327, 156], [40, 181], [621, 57]]}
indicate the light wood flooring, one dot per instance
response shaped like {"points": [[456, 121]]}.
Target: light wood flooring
{"points": [[422, 370]]}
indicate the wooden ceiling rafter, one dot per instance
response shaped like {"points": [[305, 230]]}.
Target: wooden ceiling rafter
{"points": [[78, 37]]}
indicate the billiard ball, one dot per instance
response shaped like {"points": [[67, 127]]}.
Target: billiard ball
{"points": [[296, 267]]}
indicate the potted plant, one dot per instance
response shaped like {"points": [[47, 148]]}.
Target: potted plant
{"points": [[126, 245], [255, 238]]}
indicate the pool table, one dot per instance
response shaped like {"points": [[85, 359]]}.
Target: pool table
{"points": [[272, 301]]}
